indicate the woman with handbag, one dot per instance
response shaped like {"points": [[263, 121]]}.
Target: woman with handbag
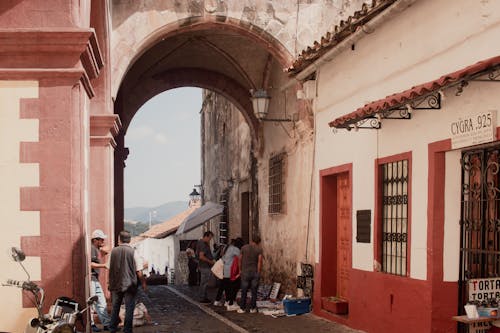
{"points": [[227, 286]]}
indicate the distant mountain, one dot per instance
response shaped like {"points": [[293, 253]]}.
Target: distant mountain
{"points": [[163, 212]]}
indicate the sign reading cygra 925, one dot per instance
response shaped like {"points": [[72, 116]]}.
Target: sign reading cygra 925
{"points": [[473, 129]]}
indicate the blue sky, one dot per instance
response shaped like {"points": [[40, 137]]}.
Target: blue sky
{"points": [[164, 142]]}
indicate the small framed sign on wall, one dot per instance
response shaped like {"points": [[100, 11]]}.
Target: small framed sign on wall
{"points": [[363, 225]]}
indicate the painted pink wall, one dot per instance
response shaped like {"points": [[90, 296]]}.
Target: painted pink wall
{"points": [[66, 61], [39, 13]]}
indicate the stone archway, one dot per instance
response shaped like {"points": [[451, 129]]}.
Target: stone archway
{"points": [[227, 58]]}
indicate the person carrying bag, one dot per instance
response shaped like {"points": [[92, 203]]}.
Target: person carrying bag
{"points": [[218, 269]]}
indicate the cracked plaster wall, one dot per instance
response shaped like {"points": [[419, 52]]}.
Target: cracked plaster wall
{"points": [[137, 24]]}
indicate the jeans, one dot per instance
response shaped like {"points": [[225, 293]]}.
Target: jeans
{"points": [[204, 277], [193, 272], [224, 287], [230, 288], [100, 305], [234, 286], [249, 279], [129, 297]]}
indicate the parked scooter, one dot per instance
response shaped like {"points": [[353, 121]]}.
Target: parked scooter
{"points": [[62, 315]]}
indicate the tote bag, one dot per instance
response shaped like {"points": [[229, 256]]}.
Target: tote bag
{"points": [[218, 269]]}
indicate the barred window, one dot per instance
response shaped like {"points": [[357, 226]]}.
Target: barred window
{"points": [[395, 179], [276, 166]]}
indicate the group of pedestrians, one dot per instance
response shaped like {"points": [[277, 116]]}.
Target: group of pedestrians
{"points": [[125, 273], [242, 267]]}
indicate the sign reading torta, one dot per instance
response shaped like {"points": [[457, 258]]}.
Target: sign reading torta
{"points": [[484, 289], [473, 129]]}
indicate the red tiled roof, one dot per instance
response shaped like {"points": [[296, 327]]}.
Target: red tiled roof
{"points": [[341, 31], [165, 228], [403, 98]]}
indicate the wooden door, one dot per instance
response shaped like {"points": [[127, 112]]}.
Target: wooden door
{"points": [[343, 234]]}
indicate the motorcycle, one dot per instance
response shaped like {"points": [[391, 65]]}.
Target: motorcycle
{"points": [[62, 315]]}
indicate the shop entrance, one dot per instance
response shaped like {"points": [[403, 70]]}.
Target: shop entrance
{"points": [[480, 218], [336, 206]]}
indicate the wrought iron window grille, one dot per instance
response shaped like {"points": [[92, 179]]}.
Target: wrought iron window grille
{"points": [[395, 180], [276, 188], [480, 217]]}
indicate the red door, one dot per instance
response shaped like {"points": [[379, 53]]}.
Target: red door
{"points": [[343, 234]]}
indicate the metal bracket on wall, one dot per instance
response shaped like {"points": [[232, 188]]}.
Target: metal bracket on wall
{"points": [[493, 76], [431, 101]]}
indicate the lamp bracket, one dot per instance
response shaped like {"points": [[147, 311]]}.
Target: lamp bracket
{"points": [[277, 120]]}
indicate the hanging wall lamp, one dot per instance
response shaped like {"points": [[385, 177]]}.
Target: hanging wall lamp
{"points": [[260, 102]]}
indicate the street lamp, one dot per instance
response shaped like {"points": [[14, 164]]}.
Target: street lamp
{"points": [[194, 195], [260, 102], [151, 214]]}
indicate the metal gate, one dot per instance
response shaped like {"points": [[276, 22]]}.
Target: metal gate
{"points": [[480, 220]]}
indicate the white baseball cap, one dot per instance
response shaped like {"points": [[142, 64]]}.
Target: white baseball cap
{"points": [[98, 233]]}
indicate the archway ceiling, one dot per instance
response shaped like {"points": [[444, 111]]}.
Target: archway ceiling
{"points": [[226, 54]]}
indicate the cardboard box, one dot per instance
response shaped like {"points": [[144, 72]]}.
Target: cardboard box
{"points": [[487, 312], [296, 306]]}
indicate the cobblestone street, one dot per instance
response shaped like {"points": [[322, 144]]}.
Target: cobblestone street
{"points": [[174, 309]]}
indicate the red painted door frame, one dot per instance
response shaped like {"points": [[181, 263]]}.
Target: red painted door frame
{"points": [[326, 271]]}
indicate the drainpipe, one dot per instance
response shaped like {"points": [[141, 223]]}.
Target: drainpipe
{"points": [[366, 29]]}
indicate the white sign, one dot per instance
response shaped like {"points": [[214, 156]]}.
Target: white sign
{"points": [[473, 129], [484, 289]]}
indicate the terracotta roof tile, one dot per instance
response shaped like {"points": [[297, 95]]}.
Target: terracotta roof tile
{"points": [[165, 228], [340, 32], [404, 97]]}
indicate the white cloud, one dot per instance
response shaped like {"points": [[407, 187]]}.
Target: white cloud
{"points": [[139, 133], [146, 133], [161, 138]]}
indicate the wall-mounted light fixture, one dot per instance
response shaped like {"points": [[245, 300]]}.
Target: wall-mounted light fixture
{"points": [[260, 102], [194, 195]]}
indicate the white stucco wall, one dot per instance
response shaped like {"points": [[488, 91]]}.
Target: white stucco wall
{"points": [[425, 41], [160, 253], [13, 176]]}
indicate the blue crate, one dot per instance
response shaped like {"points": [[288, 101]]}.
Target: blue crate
{"points": [[296, 306]]}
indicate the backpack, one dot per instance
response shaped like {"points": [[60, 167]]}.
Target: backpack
{"points": [[235, 268]]}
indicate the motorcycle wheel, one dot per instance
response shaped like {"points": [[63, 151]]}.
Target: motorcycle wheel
{"points": [[29, 329]]}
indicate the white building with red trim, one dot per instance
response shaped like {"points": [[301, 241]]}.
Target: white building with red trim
{"points": [[407, 181]]}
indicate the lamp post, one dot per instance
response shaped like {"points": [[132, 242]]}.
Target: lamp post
{"points": [[151, 214]]}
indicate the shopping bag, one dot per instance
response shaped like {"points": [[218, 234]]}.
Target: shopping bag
{"points": [[235, 268], [218, 269]]}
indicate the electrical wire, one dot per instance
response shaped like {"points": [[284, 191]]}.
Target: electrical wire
{"points": [[311, 186]]}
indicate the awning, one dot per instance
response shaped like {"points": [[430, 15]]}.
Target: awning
{"points": [[407, 99], [200, 216]]}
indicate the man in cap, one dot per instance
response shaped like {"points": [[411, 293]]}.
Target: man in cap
{"points": [[97, 250]]}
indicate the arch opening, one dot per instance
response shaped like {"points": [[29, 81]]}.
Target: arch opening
{"points": [[224, 58]]}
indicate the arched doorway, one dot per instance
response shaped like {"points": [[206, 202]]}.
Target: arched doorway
{"points": [[226, 58]]}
